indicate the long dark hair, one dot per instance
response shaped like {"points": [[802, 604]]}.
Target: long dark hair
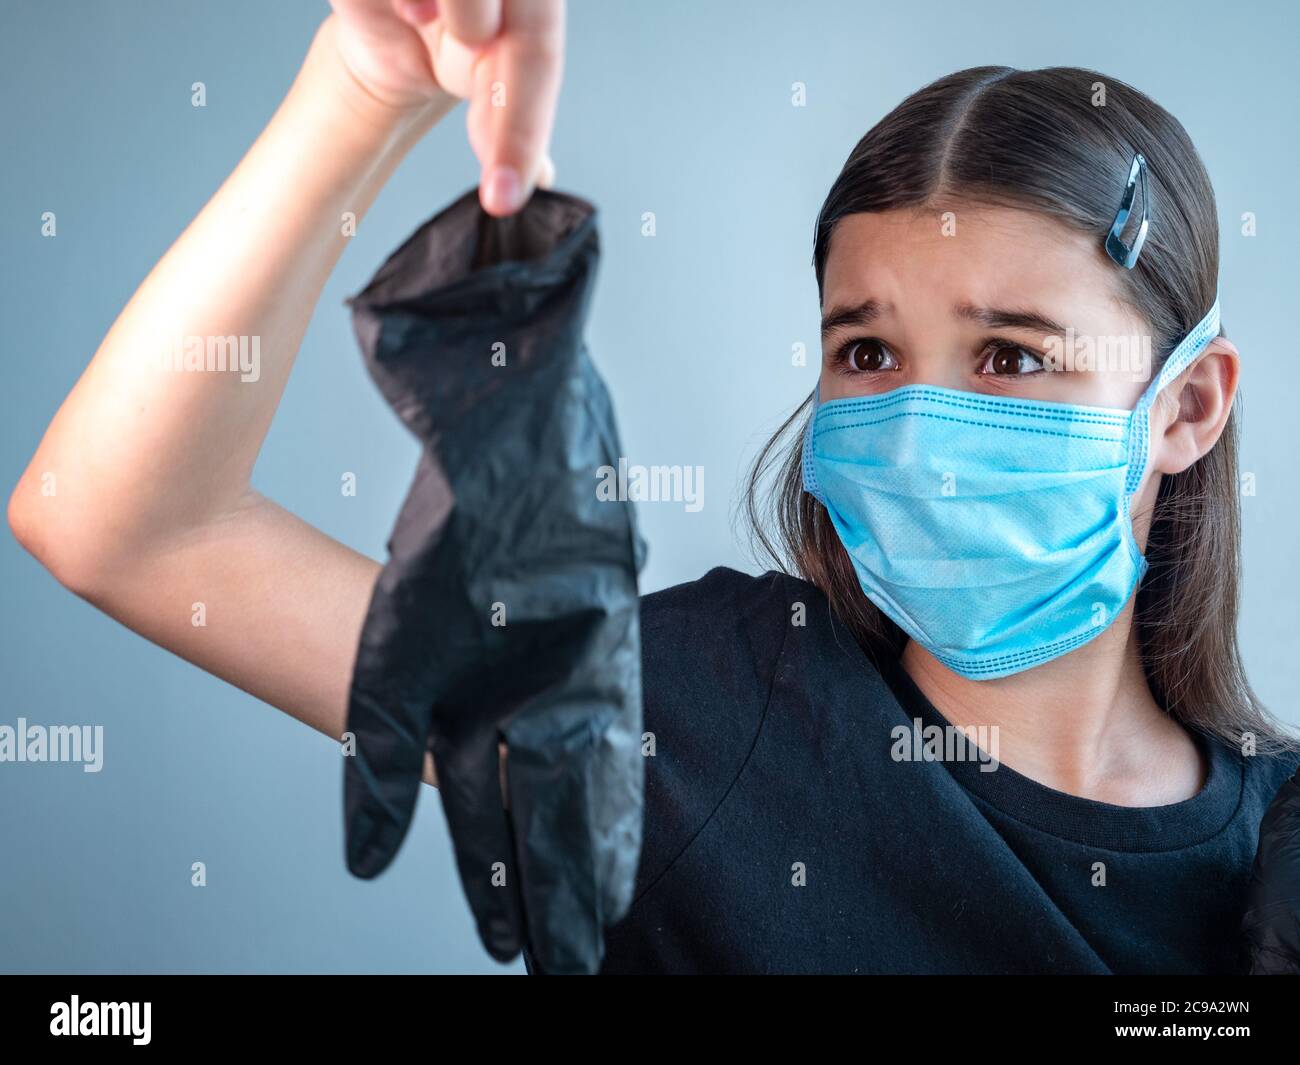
{"points": [[1057, 141]]}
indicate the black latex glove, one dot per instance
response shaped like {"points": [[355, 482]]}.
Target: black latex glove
{"points": [[1271, 926], [503, 516]]}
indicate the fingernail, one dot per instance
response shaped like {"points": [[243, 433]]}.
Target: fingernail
{"points": [[420, 11], [503, 189]]}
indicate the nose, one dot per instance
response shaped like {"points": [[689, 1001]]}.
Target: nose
{"points": [[939, 367]]}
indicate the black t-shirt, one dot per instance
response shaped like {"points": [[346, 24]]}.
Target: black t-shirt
{"points": [[783, 833]]}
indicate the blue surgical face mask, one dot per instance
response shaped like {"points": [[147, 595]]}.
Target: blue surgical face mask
{"points": [[995, 531]]}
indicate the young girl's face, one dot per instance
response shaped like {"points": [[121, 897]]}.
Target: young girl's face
{"points": [[981, 300]]}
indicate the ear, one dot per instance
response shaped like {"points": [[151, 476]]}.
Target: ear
{"points": [[1191, 412]]}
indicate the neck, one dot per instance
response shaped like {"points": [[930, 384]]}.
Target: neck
{"points": [[1085, 723]]}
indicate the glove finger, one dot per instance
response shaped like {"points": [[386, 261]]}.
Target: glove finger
{"points": [[576, 806], [469, 781], [396, 679], [382, 778]]}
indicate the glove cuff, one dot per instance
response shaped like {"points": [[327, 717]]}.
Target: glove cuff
{"points": [[469, 294]]}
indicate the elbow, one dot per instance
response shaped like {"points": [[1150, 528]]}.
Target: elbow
{"points": [[69, 550], [25, 520]]}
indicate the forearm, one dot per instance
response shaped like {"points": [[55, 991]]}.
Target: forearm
{"points": [[141, 452]]}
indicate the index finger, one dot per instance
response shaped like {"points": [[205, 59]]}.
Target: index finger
{"points": [[473, 22], [529, 64]]}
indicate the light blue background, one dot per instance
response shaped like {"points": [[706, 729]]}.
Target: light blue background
{"points": [[673, 107]]}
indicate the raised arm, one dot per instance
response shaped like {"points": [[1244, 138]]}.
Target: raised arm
{"points": [[138, 498]]}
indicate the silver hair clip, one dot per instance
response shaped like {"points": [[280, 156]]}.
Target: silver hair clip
{"points": [[1127, 254]]}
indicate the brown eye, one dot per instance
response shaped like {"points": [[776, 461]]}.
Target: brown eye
{"points": [[868, 356], [1008, 359]]}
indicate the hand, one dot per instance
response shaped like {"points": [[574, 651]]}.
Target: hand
{"points": [[505, 56]]}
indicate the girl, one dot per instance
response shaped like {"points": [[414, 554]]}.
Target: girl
{"points": [[977, 529]]}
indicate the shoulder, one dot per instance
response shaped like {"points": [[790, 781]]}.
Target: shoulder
{"points": [[1261, 774], [719, 591], [724, 601], [710, 647], [1264, 776]]}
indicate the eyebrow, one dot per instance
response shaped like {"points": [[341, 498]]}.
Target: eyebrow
{"points": [[997, 318], [846, 317], [866, 312]]}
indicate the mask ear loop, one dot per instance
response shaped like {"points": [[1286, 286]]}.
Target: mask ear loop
{"points": [[809, 470], [1179, 359], [1126, 255]]}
